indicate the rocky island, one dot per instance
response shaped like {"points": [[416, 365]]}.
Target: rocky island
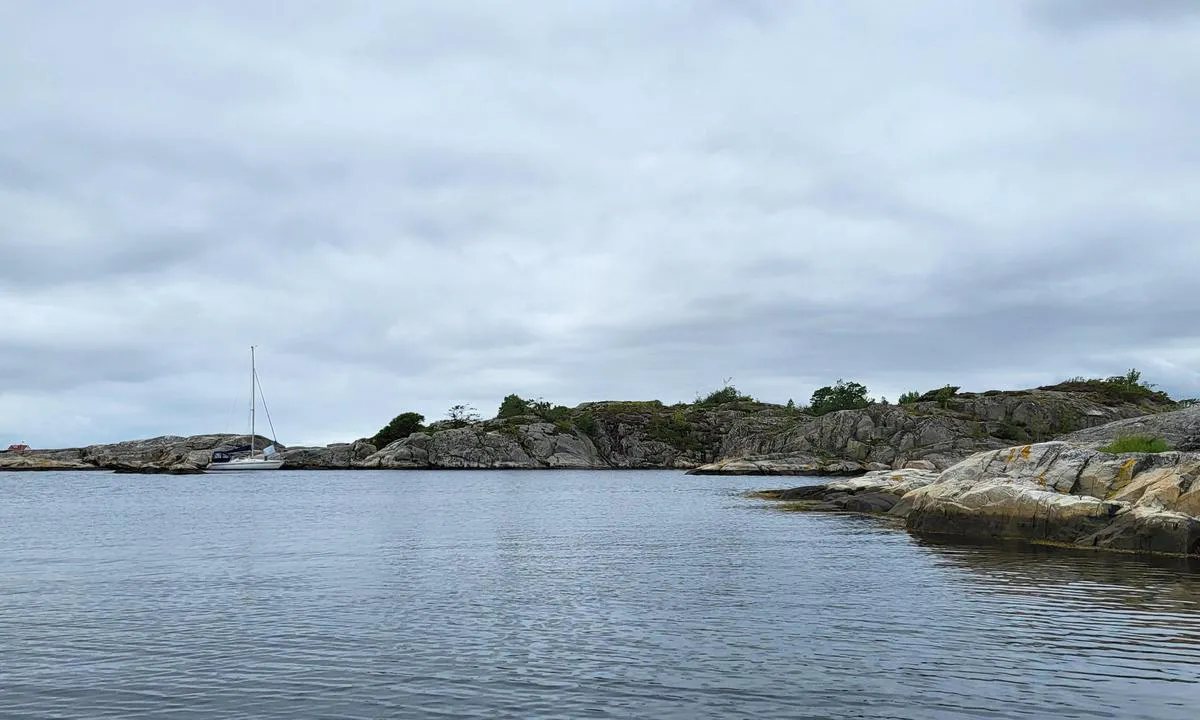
{"points": [[724, 433], [1039, 464]]}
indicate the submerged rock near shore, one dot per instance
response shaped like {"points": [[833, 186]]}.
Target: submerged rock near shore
{"points": [[875, 492], [1054, 492]]}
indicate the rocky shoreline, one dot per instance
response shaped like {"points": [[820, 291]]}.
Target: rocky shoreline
{"points": [[741, 437], [946, 467], [1057, 492]]}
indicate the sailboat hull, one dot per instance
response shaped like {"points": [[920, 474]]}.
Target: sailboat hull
{"points": [[244, 464]]}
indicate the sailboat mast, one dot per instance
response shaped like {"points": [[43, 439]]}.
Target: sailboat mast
{"points": [[252, 387]]}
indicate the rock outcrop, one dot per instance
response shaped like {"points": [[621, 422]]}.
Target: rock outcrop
{"points": [[735, 437], [330, 457], [1057, 492], [1179, 428], [536, 445], [748, 438], [69, 459], [876, 492], [786, 465], [599, 435], [165, 454], [1054, 492], [930, 434]]}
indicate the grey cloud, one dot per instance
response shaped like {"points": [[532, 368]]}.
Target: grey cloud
{"points": [[408, 206], [29, 263], [29, 367], [1088, 14]]}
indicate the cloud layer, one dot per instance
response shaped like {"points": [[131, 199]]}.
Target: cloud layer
{"points": [[410, 205]]}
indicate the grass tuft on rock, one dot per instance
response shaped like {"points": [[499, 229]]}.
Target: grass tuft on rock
{"points": [[1136, 444]]}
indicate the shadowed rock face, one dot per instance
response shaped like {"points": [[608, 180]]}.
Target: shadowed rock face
{"points": [[927, 435], [760, 439], [618, 443], [620, 435], [1050, 492], [337, 455]]}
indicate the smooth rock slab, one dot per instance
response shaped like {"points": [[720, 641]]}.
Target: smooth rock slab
{"points": [[1060, 493], [874, 493]]}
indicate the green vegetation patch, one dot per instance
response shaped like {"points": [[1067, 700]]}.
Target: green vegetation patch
{"points": [[630, 406], [1136, 444], [1117, 389], [400, 427], [586, 422], [725, 395], [841, 395]]}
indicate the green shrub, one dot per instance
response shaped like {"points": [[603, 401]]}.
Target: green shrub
{"points": [[675, 430], [512, 406], [841, 396], [630, 406], [400, 427], [909, 398], [586, 422], [941, 396], [726, 394], [1116, 389], [461, 416], [1136, 444], [550, 413]]}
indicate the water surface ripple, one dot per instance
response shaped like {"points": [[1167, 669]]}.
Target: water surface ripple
{"points": [[554, 594]]}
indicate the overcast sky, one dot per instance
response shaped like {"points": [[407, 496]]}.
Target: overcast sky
{"points": [[410, 205]]}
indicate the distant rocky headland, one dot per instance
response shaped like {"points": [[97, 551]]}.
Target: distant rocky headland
{"points": [[841, 432], [1101, 462]]}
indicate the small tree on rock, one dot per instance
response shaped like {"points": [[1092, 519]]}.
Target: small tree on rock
{"points": [[549, 412], [462, 415], [513, 406], [400, 427], [841, 396]]}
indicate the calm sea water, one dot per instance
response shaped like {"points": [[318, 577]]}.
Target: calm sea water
{"points": [[554, 595]]}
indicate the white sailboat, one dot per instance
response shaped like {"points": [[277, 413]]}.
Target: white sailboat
{"points": [[263, 461]]}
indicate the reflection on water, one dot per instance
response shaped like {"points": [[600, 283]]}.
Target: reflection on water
{"points": [[562, 594], [1014, 565], [1105, 615]]}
